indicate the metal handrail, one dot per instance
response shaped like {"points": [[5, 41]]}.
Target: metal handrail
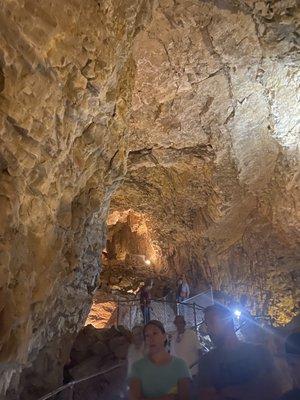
{"points": [[165, 301], [73, 383]]}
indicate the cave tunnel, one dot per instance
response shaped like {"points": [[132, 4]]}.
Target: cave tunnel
{"points": [[141, 140]]}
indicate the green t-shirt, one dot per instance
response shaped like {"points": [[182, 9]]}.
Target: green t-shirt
{"points": [[159, 380]]}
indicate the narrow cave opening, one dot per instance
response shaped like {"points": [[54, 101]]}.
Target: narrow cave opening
{"points": [[129, 259], [129, 240]]}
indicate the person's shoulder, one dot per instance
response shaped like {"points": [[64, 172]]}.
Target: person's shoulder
{"points": [[180, 367], [210, 356], [178, 361], [247, 346], [254, 348], [258, 352], [293, 394], [141, 362]]}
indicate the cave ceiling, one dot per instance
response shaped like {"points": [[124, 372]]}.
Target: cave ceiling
{"points": [[213, 139]]}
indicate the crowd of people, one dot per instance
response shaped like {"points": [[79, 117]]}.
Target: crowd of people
{"points": [[164, 367], [182, 294]]}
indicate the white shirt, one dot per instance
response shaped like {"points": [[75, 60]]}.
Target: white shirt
{"points": [[185, 289], [134, 354], [186, 346]]}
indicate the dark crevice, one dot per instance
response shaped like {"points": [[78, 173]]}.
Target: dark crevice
{"points": [[21, 131], [2, 80]]}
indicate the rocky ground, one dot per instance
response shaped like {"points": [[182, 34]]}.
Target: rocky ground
{"points": [[95, 350]]}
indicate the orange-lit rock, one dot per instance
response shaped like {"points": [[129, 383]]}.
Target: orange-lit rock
{"points": [[102, 315]]}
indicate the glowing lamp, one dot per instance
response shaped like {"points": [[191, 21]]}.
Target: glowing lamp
{"points": [[148, 262], [237, 313]]}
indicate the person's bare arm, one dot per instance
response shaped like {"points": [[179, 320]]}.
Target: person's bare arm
{"points": [[184, 389], [135, 392]]}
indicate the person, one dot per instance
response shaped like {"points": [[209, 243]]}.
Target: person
{"points": [[178, 289], [183, 293], [234, 369], [185, 344], [158, 376], [145, 301], [136, 349], [185, 289], [292, 351]]}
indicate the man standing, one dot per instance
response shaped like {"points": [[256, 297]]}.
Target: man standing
{"points": [[234, 369], [185, 344], [292, 350], [145, 301]]}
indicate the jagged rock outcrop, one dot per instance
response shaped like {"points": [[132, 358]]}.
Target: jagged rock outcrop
{"points": [[214, 146], [66, 82], [198, 99]]}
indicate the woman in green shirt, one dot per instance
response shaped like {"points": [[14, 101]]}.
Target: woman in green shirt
{"points": [[158, 376]]}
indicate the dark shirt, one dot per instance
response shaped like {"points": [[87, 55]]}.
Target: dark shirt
{"points": [[293, 394], [145, 297], [221, 368], [179, 289]]}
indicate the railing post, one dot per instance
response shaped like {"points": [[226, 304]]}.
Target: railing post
{"points": [[211, 294], [195, 316]]}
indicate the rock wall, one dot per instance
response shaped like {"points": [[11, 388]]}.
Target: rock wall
{"points": [[198, 99], [214, 146], [66, 82]]}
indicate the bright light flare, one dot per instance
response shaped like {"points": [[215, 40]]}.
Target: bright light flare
{"points": [[237, 313], [148, 262]]}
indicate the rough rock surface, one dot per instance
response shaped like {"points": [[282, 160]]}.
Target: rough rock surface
{"points": [[97, 350], [198, 100], [214, 146], [66, 82]]}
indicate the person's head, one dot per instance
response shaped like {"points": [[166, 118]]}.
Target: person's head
{"points": [[179, 282], [219, 322], [179, 322], [244, 300], [155, 336], [137, 335], [292, 351]]}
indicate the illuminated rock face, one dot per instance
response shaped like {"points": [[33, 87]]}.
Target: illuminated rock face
{"points": [[214, 136], [66, 81], [198, 101]]}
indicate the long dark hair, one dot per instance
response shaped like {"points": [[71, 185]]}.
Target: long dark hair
{"points": [[158, 325]]}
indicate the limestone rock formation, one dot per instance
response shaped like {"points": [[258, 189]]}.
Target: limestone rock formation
{"points": [[190, 108], [214, 146], [97, 350], [66, 81]]}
